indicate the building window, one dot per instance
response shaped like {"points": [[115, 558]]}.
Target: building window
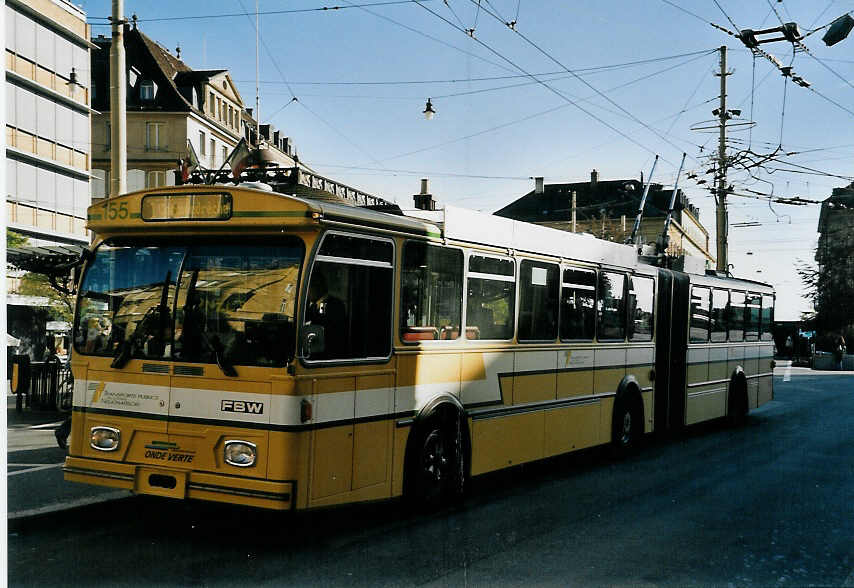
{"points": [[201, 142], [213, 152], [146, 90], [219, 109], [224, 153], [108, 139], [212, 104], [153, 132], [155, 179]]}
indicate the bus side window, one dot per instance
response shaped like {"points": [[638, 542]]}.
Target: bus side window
{"points": [[641, 305], [431, 292], [767, 318], [610, 301], [735, 316], [578, 305], [538, 307], [720, 303], [700, 315], [348, 311], [751, 317], [491, 302]]}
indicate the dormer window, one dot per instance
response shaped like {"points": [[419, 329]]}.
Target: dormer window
{"points": [[147, 90], [133, 76]]}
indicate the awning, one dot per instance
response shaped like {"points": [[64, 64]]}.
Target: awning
{"points": [[12, 341], [45, 259]]}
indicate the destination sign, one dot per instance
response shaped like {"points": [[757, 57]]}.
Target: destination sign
{"points": [[203, 206]]}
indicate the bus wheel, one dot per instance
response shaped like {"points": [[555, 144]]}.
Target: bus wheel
{"points": [[736, 414], [627, 427], [438, 475]]}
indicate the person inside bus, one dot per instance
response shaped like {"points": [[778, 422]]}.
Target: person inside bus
{"points": [[327, 311]]}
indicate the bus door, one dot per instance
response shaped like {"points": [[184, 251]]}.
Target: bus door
{"points": [[349, 378], [662, 349], [679, 349], [671, 349]]}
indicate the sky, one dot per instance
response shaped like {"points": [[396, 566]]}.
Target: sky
{"points": [[576, 86]]}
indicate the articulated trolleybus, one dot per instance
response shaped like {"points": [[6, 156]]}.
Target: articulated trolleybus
{"points": [[236, 344]]}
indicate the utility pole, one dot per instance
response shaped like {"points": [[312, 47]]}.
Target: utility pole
{"points": [[118, 101], [721, 217]]}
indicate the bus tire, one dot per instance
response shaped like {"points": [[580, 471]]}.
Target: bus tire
{"points": [[627, 424], [736, 413], [437, 466]]}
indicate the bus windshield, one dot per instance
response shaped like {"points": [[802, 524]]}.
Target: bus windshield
{"points": [[198, 303]]}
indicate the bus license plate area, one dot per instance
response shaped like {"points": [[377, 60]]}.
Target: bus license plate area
{"points": [[168, 483]]}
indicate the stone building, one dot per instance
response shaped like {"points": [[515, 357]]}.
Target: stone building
{"points": [[607, 209], [169, 105], [47, 120]]}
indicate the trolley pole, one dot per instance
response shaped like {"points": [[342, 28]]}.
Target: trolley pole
{"points": [[118, 94], [722, 224]]}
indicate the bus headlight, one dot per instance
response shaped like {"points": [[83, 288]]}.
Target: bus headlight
{"points": [[240, 453], [104, 438]]}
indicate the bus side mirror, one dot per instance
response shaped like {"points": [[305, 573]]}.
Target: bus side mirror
{"points": [[314, 340]]}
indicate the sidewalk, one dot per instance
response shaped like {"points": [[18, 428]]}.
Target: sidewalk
{"points": [[35, 483]]}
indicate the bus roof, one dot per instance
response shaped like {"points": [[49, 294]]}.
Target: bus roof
{"points": [[254, 208]]}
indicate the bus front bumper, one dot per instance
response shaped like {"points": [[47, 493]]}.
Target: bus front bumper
{"points": [[175, 483]]}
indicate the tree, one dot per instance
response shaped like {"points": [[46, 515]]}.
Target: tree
{"points": [[34, 284]]}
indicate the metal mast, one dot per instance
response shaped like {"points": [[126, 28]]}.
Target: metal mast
{"points": [[722, 224], [118, 94]]}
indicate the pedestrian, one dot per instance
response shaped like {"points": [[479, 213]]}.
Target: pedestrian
{"points": [[839, 351], [62, 433]]}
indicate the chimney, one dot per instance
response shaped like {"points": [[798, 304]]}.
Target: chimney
{"points": [[539, 188], [594, 178], [424, 200]]}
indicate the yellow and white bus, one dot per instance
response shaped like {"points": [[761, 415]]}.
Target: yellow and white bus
{"points": [[240, 345]]}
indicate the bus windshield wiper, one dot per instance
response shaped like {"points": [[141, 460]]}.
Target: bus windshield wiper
{"points": [[215, 346], [154, 323]]}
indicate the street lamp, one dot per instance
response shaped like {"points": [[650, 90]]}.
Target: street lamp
{"points": [[429, 113], [72, 83]]}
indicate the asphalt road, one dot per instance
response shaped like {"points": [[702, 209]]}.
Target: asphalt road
{"points": [[769, 504]]}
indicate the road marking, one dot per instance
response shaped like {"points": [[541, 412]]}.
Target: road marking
{"points": [[787, 375], [34, 468], [30, 512]]}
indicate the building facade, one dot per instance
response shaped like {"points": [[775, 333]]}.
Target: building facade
{"points": [[607, 209], [47, 120], [834, 279], [169, 106]]}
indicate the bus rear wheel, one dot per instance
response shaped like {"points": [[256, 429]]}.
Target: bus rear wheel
{"points": [[627, 426], [437, 474]]}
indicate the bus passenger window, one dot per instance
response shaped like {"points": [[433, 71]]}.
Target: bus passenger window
{"points": [[720, 303], [700, 315], [431, 292], [538, 301], [491, 302], [611, 307], [735, 316], [348, 311], [767, 318], [641, 304], [751, 317], [578, 305]]}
